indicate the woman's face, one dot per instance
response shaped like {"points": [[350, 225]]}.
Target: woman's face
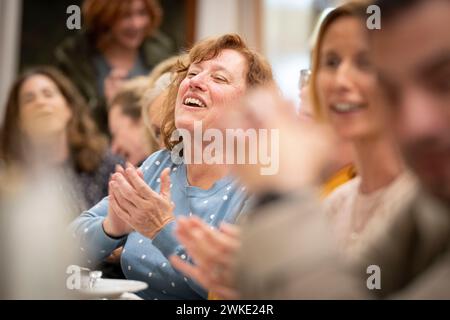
{"points": [[127, 136], [43, 110], [130, 30], [346, 83], [209, 88]]}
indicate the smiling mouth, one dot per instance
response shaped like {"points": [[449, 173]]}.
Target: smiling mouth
{"points": [[43, 114], [194, 102], [347, 107]]}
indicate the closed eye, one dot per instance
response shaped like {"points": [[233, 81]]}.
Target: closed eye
{"points": [[27, 98], [48, 93], [220, 78], [191, 74]]}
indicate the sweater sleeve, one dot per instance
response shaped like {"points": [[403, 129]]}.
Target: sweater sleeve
{"points": [[87, 230]]}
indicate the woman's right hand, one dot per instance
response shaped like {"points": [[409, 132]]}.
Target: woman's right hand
{"points": [[113, 225]]}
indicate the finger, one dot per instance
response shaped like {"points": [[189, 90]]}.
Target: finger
{"points": [[140, 173], [223, 243], [165, 184], [118, 210], [141, 187], [182, 229], [230, 230], [189, 241], [120, 169], [200, 275], [205, 248], [138, 170], [116, 207], [225, 292], [189, 270], [126, 190], [122, 200]]}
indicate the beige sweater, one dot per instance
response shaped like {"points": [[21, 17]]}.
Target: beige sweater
{"points": [[359, 219]]}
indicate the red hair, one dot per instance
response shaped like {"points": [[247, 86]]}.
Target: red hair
{"points": [[100, 15]]}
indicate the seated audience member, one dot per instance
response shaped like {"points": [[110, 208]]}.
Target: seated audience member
{"points": [[154, 98], [154, 104], [129, 136], [413, 254], [48, 121], [120, 40], [141, 210]]}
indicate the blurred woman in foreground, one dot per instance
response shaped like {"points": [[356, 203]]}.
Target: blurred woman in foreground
{"points": [[344, 92]]}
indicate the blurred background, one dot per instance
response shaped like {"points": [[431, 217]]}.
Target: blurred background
{"points": [[30, 30]]}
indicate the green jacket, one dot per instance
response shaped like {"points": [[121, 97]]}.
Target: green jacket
{"points": [[74, 57]]}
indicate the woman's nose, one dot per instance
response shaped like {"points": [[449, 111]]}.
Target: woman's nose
{"points": [[344, 77], [40, 101], [197, 82], [138, 22]]}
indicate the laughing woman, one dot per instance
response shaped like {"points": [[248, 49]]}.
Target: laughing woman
{"points": [[141, 210]]}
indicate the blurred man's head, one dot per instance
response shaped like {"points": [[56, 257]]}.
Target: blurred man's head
{"points": [[412, 54]]}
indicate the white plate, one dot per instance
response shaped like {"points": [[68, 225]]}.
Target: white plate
{"points": [[112, 288]]}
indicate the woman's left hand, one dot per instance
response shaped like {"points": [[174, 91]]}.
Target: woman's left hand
{"points": [[138, 205]]}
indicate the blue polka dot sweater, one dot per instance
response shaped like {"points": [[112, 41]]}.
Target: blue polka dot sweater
{"points": [[146, 260]]}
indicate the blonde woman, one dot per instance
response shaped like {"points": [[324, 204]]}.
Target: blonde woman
{"points": [[129, 136]]}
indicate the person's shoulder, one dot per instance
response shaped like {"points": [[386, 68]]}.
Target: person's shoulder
{"points": [[161, 39], [156, 163], [157, 48], [431, 216], [74, 47], [158, 157], [344, 190], [111, 160]]}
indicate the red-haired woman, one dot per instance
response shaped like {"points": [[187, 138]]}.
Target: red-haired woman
{"points": [[120, 41]]}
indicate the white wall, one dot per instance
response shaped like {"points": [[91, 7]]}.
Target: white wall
{"points": [[216, 17], [10, 20], [286, 35]]}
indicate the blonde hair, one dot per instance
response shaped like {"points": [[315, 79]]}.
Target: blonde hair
{"points": [[355, 9], [159, 80], [129, 100]]}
